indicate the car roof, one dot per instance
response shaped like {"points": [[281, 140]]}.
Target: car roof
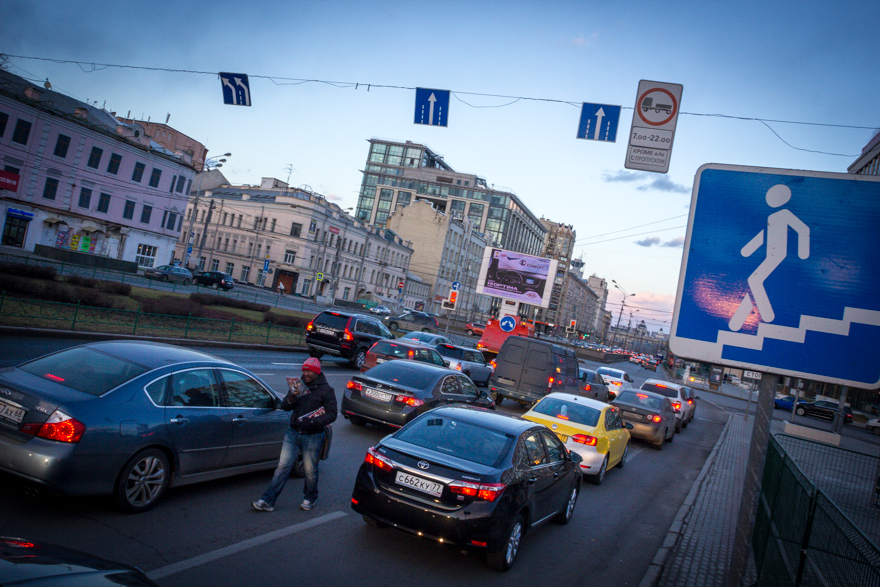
{"points": [[500, 421], [407, 342], [457, 346], [406, 365], [644, 391], [152, 354], [578, 399], [669, 384]]}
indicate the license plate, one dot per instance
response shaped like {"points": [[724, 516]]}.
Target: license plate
{"points": [[632, 415], [11, 412], [423, 485], [378, 360], [326, 331], [379, 395]]}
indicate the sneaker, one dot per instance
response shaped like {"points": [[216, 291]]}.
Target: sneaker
{"points": [[262, 506], [306, 505]]}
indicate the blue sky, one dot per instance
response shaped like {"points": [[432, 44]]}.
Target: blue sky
{"points": [[809, 61]]}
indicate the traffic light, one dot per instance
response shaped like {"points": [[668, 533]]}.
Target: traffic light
{"points": [[449, 303], [572, 326]]}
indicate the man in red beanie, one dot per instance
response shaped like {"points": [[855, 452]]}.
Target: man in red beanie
{"points": [[310, 413]]}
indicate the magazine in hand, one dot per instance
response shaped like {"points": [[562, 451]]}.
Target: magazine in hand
{"points": [[296, 386], [313, 414]]}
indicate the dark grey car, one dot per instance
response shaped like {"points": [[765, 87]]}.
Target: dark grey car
{"points": [[131, 418], [170, 273], [471, 362], [412, 321], [592, 385]]}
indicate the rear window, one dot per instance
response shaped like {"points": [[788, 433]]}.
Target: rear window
{"points": [[402, 374], [452, 353], [460, 439], [640, 399], [574, 413], [331, 320], [661, 389], [84, 369]]}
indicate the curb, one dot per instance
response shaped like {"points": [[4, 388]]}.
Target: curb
{"points": [[676, 530]]}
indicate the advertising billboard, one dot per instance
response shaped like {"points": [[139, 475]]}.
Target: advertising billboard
{"points": [[517, 276]]}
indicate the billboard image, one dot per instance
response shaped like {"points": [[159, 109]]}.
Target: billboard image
{"points": [[517, 276]]}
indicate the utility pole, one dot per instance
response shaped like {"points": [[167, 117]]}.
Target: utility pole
{"points": [[204, 235], [206, 166]]}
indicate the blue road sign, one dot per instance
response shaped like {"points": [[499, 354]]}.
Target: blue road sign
{"points": [[432, 107], [599, 122], [236, 89], [507, 324], [780, 274], [266, 266], [456, 285]]}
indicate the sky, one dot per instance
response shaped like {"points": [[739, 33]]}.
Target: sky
{"points": [[779, 84]]}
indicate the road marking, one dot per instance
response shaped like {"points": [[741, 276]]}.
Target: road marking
{"points": [[634, 453], [208, 557]]}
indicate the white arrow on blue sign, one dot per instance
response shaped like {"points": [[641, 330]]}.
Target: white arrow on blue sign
{"points": [[432, 107], [456, 285], [507, 324], [780, 274], [599, 122], [236, 89]]}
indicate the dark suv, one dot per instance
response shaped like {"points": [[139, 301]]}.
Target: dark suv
{"points": [[345, 335], [215, 279], [412, 321]]}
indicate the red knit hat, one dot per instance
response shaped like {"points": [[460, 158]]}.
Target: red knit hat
{"points": [[312, 364]]}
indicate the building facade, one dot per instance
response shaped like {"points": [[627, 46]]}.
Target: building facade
{"points": [[558, 244], [603, 317], [76, 178], [397, 174], [868, 162], [270, 234], [445, 250]]}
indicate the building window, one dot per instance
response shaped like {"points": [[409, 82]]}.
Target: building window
{"points": [[128, 211], [215, 264], [138, 172], [85, 197], [181, 181], [172, 221], [171, 187], [4, 119], [230, 267], [103, 203], [245, 273], [345, 293], [146, 255], [14, 231], [145, 214], [154, 178], [51, 188], [61, 146], [113, 165], [22, 132], [296, 229], [95, 157], [290, 257]]}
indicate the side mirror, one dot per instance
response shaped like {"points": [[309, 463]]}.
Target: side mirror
{"points": [[575, 457], [277, 404], [484, 393], [628, 426], [446, 363]]}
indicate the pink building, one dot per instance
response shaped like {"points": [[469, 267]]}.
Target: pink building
{"points": [[73, 177]]}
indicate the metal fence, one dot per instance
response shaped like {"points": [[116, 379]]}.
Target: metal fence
{"points": [[22, 312], [817, 523]]}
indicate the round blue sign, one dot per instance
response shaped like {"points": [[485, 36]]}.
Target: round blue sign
{"points": [[507, 324]]}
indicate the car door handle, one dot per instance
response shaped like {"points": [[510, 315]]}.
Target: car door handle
{"points": [[179, 420], [239, 420], [533, 479]]}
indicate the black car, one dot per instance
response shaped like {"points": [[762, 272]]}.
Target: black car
{"points": [[395, 392], [413, 320], [822, 409], [472, 478], [215, 279], [593, 385], [343, 334]]}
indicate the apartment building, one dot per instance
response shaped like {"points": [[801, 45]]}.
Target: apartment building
{"points": [[558, 244], [75, 179]]}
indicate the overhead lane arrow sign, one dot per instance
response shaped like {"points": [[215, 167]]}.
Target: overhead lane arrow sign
{"points": [[599, 122], [432, 107], [238, 94]]}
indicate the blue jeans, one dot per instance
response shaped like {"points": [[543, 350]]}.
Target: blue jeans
{"points": [[310, 445]]}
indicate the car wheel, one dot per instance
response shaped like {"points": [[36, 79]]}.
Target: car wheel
{"points": [[564, 517], [622, 462], [165, 278], [800, 411], [298, 471], [678, 425], [659, 445], [502, 560], [469, 332], [685, 423], [357, 360], [373, 523], [671, 437], [499, 399], [315, 353], [875, 431], [392, 325], [600, 476], [186, 282], [142, 481], [357, 421], [426, 330]]}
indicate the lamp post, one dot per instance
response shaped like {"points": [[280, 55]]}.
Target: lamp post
{"points": [[620, 315], [210, 162]]}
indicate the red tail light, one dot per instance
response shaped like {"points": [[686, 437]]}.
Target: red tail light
{"points": [[347, 335], [411, 354], [585, 439], [457, 367], [59, 426], [655, 418], [377, 460], [410, 401], [493, 363], [690, 401], [641, 396], [677, 406], [588, 387], [310, 326], [486, 492], [561, 417], [354, 385], [550, 383]]}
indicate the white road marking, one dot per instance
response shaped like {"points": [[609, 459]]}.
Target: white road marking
{"points": [[232, 549]]}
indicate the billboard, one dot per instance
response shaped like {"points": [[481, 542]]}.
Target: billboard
{"points": [[517, 276]]}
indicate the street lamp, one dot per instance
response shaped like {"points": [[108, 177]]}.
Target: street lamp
{"points": [[620, 315], [210, 162]]}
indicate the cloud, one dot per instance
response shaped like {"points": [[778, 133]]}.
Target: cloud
{"points": [[650, 181], [664, 184], [588, 41], [625, 176], [676, 243], [648, 242], [654, 241]]}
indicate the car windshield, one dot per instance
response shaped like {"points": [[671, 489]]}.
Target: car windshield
{"points": [[574, 413], [639, 399], [460, 439], [451, 352], [332, 320], [84, 369], [402, 373], [610, 372], [661, 389]]}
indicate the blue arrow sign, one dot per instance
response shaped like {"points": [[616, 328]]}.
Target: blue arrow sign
{"points": [[599, 122], [236, 89], [432, 107], [780, 274], [456, 285], [266, 266], [507, 324]]}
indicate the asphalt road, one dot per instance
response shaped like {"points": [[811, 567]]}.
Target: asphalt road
{"points": [[208, 534]]}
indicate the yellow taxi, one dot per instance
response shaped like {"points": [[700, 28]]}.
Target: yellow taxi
{"points": [[591, 428]]}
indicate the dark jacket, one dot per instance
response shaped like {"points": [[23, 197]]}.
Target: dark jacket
{"points": [[320, 395]]}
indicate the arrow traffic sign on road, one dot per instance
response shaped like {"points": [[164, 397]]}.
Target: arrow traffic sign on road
{"points": [[780, 274], [236, 89], [599, 122], [432, 107]]}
